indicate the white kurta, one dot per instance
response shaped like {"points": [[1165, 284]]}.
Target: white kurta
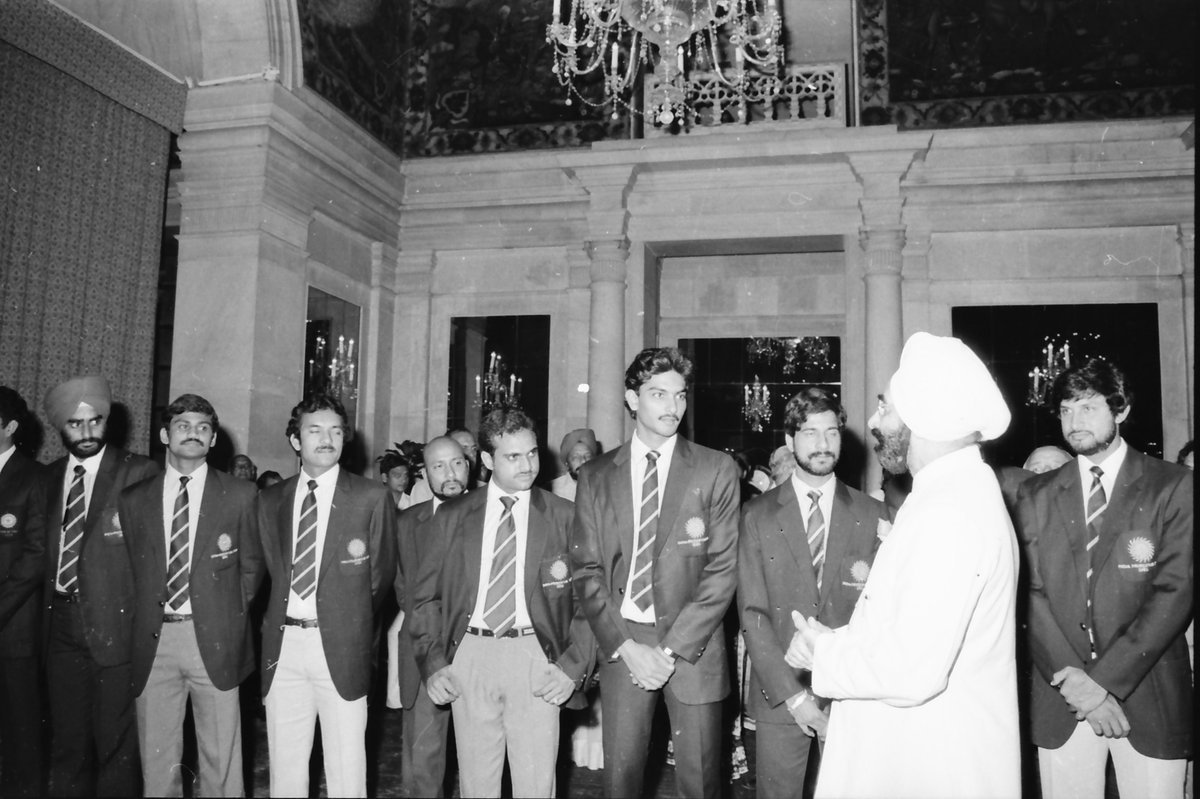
{"points": [[925, 672]]}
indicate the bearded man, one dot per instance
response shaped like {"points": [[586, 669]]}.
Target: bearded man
{"points": [[924, 674]]}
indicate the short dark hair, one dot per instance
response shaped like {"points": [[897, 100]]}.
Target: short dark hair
{"points": [[13, 407], [1188, 449], [809, 401], [319, 402], [450, 433], [502, 422], [1093, 376], [189, 403], [408, 454], [655, 361]]}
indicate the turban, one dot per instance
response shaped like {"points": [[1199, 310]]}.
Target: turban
{"points": [[581, 436], [65, 398], [943, 391]]}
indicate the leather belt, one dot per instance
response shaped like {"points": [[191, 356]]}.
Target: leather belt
{"points": [[303, 624], [511, 632], [66, 599], [175, 618]]}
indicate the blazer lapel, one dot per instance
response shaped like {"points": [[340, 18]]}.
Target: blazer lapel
{"points": [[791, 525], [1070, 510], [472, 528], [679, 480], [333, 544], [103, 484], [535, 546], [153, 509], [1120, 507], [214, 493], [841, 529], [287, 499], [621, 488]]}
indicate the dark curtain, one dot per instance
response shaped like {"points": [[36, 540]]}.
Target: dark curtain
{"points": [[85, 130]]}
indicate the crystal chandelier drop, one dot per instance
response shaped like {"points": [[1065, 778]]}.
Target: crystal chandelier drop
{"points": [[737, 40], [808, 352], [497, 388], [756, 406], [1053, 359]]}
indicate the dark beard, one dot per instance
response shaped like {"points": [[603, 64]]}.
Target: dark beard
{"points": [[892, 449], [443, 496], [817, 471], [76, 447]]}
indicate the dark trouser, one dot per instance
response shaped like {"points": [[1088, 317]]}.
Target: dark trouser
{"points": [[93, 749], [20, 727], [627, 713], [423, 749], [782, 751]]}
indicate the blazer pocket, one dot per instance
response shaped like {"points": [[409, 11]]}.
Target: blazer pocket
{"points": [[1135, 553], [226, 554], [854, 571]]}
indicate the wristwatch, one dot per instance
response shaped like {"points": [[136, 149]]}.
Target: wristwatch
{"points": [[667, 651], [792, 703]]}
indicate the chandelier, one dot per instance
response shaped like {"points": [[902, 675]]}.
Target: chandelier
{"points": [[615, 38], [1053, 359], [756, 406], [334, 370], [496, 389], [809, 351]]}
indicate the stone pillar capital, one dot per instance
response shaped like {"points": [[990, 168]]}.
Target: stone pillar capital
{"points": [[608, 260]]}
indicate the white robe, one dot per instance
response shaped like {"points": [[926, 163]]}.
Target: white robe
{"points": [[925, 672]]}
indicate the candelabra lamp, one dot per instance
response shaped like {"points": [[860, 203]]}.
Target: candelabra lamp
{"points": [[756, 406], [1053, 359], [497, 387]]}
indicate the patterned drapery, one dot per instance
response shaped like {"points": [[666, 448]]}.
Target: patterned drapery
{"points": [[82, 181]]}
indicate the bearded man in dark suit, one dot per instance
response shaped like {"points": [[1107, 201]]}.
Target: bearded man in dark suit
{"points": [[496, 629], [22, 545], [654, 547], [1109, 542], [807, 545], [88, 590], [197, 563], [329, 540]]}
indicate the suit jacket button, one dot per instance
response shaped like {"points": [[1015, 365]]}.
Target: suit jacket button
{"points": [[621, 591], [1082, 626], [161, 603], [155, 635], [281, 628]]}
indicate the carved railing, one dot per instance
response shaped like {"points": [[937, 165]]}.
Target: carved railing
{"points": [[805, 96]]}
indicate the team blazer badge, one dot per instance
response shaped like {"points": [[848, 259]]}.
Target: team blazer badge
{"points": [[694, 529], [225, 546], [356, 548]]}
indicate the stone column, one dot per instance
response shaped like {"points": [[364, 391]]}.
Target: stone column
{"points": [[415, 413], [1187, 245], [609, 250]]}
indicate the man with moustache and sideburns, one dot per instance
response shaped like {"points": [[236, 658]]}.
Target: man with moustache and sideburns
{"points": [[654, 546], [329, 539]]}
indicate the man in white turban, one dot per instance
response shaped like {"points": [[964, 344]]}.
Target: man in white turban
{"points": [[924, 675]]}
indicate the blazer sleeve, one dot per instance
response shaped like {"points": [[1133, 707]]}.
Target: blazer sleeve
{"points": [[778, 679], [590, 566], [251, 560], [703, 613], [1165, 612], [383, 548], [579, 658], [1048, 645], [429, 646]]}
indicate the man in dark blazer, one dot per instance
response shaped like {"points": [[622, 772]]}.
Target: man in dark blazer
{"points": [[654, 546], [88, 596], [197, 562], [423, 745], [807, 545], [496, 629], [329, 540], [1109, 546], [22, 545]]}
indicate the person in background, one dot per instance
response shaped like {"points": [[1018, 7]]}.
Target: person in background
{"points": [[425, 725], [241, 467], [466, 440], [924, 675], [782, 463], [497, 631], [654, 548], [22, 553], [1187, 455], [88, 586], [1046, 459], [397, 471], [1109, 544], [806, 544], [268, 479], [197, 564], [578, 447], [329, 540]]}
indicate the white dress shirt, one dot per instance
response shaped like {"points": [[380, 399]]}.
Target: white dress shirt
{"points": [[1110, 466], [825, 502], [298, 608], [195, 493], [637, 459], [491, 521], [91, 468]]}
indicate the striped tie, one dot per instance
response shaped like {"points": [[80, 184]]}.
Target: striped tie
{"points": [[1097, 502], [816, 535], [74, 518], [304, 564], [643, 558], [500, 603], [178, 557]]}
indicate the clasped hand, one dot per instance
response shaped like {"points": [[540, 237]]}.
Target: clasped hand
{"points": [[799, 653], [810, 718], [442, 687], [649, 666], [553, 686], [1091, 702]]}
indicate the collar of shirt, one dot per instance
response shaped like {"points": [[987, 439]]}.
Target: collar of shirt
{"points": [[5, 456], [326, 482], [1110, 466], [825, 502], [91, 465], [637, 455], [520, 508], [195, 486]]}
